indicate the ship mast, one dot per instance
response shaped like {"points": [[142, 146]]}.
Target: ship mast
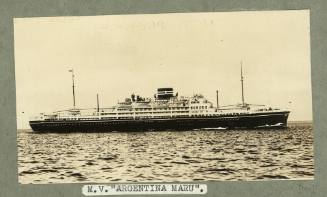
{"points": [[217, 99], [243, 104], [98, 108], [72, 71]]}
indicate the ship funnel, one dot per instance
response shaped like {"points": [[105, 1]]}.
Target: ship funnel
{"points": [[165, 93]]}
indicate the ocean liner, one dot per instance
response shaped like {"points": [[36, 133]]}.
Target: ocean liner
{"points": [[165, 111]]}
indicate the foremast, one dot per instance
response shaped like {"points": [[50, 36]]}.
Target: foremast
{"points": [[242, 79], [72, 71]]}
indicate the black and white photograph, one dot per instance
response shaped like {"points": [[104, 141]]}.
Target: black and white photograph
{"points": [[172, 97]]}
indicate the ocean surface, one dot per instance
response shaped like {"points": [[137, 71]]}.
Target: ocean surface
{"points": [[197, 155]]}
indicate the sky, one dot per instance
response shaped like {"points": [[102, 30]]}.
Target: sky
{"points": [[117, 55]]}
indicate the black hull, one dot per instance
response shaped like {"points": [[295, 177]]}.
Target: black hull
{"points": [[250, 121]]}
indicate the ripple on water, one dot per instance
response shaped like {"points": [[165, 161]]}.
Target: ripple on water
{"points": [[166, 156], [272, 177]]}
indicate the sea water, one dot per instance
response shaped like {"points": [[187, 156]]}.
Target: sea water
{"points": [[166, 156]]}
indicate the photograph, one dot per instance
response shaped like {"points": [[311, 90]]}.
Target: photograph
{"points": [[170, 97]]}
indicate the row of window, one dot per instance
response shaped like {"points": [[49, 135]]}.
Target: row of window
{"points": [[156, 115], [145, 113], [199, 107], [154, 109]]}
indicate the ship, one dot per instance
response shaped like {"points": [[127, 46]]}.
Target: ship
{"points": [[165, 111]]}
